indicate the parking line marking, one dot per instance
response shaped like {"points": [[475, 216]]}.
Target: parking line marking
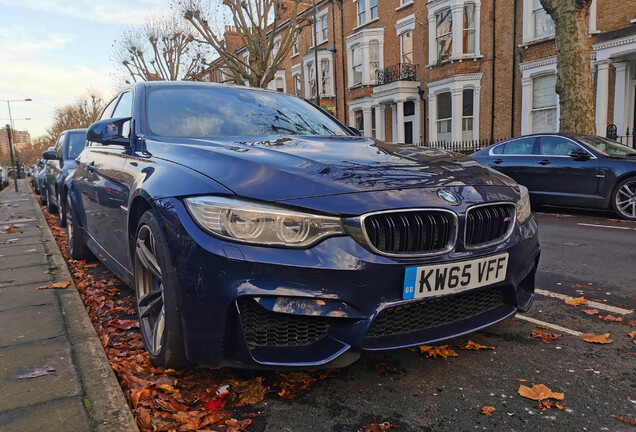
{"points": [[547, 324], [605, 226], [591, 303]]}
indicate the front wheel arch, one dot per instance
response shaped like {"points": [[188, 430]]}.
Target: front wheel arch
{"points": [[621, 182]]}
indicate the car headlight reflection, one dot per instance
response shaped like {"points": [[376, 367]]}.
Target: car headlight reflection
{"points": [[263, 224], [523, 205]]}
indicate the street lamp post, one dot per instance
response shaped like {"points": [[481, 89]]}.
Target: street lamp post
{"points": [[10, 132]]}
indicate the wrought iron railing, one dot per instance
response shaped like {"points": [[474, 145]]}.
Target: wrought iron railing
{"points": [[627, 139], [465, 147], [398, 72]]}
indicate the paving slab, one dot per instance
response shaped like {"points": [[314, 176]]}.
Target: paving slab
{"points": [[30, 324], [22, 296], [19, 261], [22, 359], [63, 415]]}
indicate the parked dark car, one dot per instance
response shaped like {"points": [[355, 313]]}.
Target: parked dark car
{"points": [[569, 170], [260, 232], [61, 161], [40, 178]]}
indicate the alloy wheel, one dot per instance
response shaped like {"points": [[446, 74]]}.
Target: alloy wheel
{"points": [[69, 220], [149, 291], [626, 199]]}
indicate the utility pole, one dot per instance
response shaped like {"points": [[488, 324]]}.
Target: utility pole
{"points": [[15, 170]]}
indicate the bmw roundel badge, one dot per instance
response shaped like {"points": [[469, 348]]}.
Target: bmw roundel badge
{"points": [[448, 197]]}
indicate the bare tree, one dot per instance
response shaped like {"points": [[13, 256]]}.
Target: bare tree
{"points": [[574, 76], [77, 115], [258, 24], [163, 49]]}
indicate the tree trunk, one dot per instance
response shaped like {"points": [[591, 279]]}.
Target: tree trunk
{"points": [[574, 75]]}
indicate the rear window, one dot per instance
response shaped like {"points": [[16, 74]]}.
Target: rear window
{"points": [[76, 144], [521, 146], [199, 112]]}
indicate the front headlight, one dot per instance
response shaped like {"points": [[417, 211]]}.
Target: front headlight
{"points": [[261, 224], [523, 205]]}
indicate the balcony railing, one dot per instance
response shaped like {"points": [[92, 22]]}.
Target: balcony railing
{"points": [[398, 72]]}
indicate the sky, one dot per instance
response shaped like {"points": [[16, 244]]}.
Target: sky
{"points": [[54, 51]]}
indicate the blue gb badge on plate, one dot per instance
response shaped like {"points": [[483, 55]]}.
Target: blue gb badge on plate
{"points": [[410, 276]]}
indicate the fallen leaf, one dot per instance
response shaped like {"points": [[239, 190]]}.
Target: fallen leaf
{"points": [[592, 338], [57, 285], [632, 323], [443, 351], [250, 392], [632, 334], [215, 404], [578, 301], [545, 405], [124, 324], [625, 420], [9, 230], [522, 380], [37, 373], [470, 345], [234, 425], [168, 388], [545, 336], [143, 417], [579, 286], [377, 427], [488, 410], [138, 395], [539, 392], [611, 318], [590, 311], [543, 327], [383, 367]]}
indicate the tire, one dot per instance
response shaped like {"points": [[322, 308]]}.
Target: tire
{"points": [[50, 207], [624, 199], [156, 284], [61, 211], [75, 243]]}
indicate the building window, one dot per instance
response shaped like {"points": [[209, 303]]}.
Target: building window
{"points": [[406, 44], [444, 36], [325, 77], [544, 104], [310, 92], [275, 48], [280, 85], [469, 28], [373, 125], [357, 65], [444, 116], [295, 46], [322, 27], [543, 25], [367, 11], [297, 85], [359, 121], [468, 109], [374, 60]]}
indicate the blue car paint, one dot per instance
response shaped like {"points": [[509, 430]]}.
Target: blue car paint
{"points": [[354, 176]]}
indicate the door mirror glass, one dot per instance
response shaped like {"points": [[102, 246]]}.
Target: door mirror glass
{"points": [[50, 155], [108, 132], [579, 154]]}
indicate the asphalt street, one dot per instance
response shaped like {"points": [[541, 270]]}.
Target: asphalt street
{"points": [[584, 253]]}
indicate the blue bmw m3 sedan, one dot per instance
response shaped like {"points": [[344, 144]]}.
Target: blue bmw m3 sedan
{"points": [[260, 232]]}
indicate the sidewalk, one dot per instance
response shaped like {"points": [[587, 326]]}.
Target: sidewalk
{"points": [[48, 328]]}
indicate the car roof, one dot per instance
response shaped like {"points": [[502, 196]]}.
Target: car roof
{"points": [[153, 84]]}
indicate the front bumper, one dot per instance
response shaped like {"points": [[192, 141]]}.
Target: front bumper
{"points": [[258, 307]]}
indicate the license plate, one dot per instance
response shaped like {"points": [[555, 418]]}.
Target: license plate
{"points": [[444, 279]]}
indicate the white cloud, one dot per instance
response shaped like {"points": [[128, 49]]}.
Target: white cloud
{"points": [[16, 43]]}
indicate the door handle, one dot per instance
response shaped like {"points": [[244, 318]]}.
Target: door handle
{"points": [[91, 167], [544, 162], [497, 161]]}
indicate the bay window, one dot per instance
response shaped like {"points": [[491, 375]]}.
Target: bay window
{"points": [[453, 30], [469, 28], [444, 116], [468, 110], [357, 65], [444, 36]]}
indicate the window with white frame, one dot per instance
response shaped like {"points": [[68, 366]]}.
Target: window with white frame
{"points": [[544, 104], [357, 65], [364, 56], [453, 30], [322, 27], [295, 73], [310, 71], [444, 116], [469, 28], [406, 46], [543, 25], [275, 48], [444, 34], [367, 11], [468, 111], [295, 46], [454, 107], [325, 77]]}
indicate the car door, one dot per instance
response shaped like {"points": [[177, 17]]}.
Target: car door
{"points": [[515, 159], [53, 169], [562, 179], [102, 190]]}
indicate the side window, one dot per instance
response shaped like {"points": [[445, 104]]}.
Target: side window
{"points": [[59, 145], [106, 114], [124, 109], [498, 149], [556, 146], [521, 146]]}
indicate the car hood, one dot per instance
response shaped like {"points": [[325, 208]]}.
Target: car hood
{"points": [[284, 168]]}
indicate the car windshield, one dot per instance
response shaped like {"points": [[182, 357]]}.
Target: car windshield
{"points": [[76, 144], [607, 146], [232, 112]]}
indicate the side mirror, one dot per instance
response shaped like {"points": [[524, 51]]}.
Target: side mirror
{"points": [[108, 132], [355, 131], [579, 154], [50, 155]]}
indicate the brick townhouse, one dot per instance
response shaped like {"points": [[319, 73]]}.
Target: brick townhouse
{"points": [[19, 140], [452, 70]]}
